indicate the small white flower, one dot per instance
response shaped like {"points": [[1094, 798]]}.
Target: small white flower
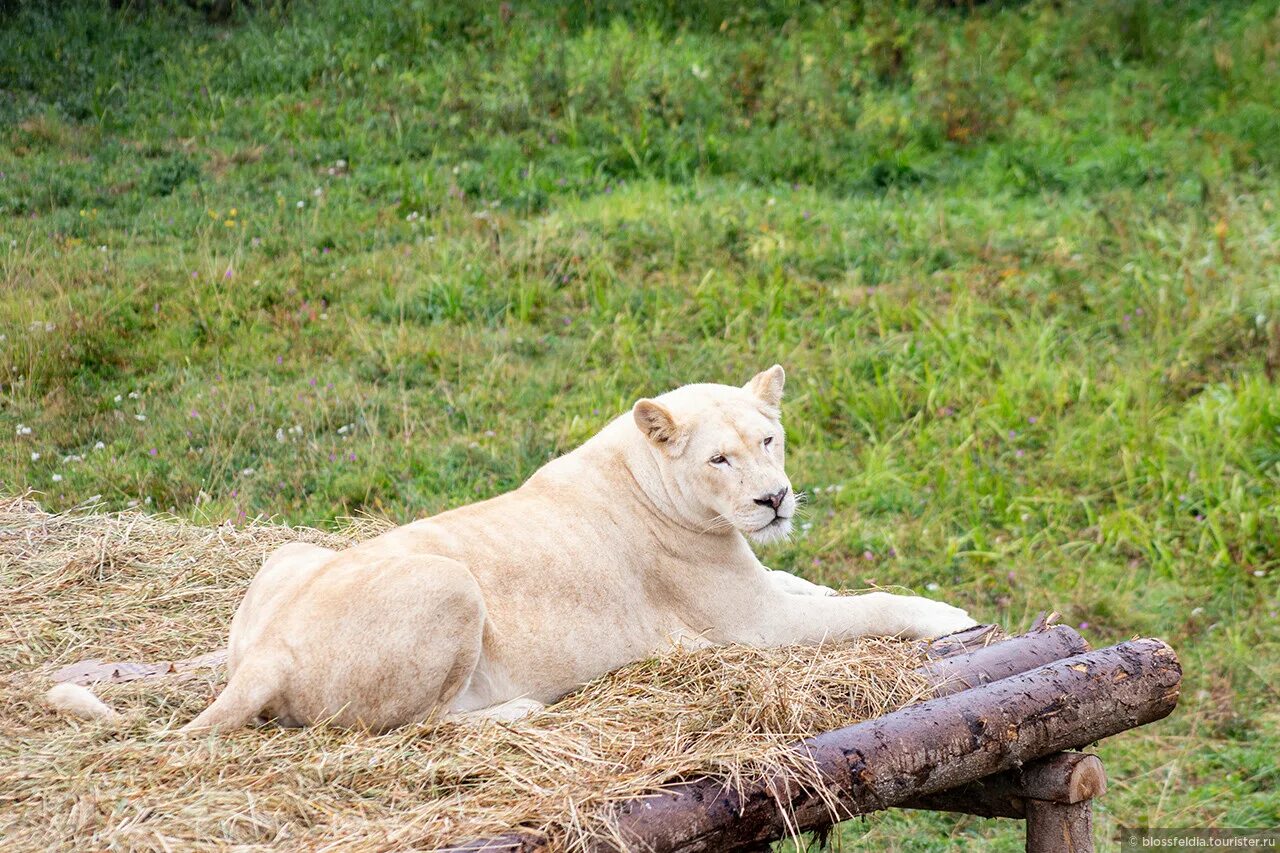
{"points": [[133, 395], [1196, 611], [301, 204], [99, 446], [35, 457], [280, 434], [489, 433], [342, 430], [119, 398], [317, 192], [131, 504], [147, 501], [247, 472], [139, 417], [931, 586], [57, 478], [23, 429], [1259, 573]]}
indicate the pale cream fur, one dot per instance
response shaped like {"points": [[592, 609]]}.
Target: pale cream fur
{"points": [[78, 702], [635, 541]]}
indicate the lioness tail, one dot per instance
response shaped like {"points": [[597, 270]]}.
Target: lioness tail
{"points": [[79, 702]]}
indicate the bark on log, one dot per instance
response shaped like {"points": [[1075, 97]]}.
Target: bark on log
{"points": [[964, 641], [960, 671], [922, 749], [1066, 778], [1059, 828]]}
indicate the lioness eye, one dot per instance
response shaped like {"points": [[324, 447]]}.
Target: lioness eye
{"points": [[768, 441], [718, 459]]}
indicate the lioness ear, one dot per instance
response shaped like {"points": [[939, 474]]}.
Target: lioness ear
{"points": [[768, 385], [656, 422]]}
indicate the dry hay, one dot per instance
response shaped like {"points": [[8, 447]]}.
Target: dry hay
{"points": [[129, 586]]}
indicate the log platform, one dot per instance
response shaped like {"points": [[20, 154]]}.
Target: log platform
{"points": [[999, 739]]}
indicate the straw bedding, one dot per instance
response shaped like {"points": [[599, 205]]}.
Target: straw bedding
{"points": [[134, 587]]}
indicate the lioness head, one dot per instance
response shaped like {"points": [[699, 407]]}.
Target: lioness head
{"points": [[721, 451]]}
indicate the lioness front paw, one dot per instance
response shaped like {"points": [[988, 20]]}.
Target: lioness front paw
{"points": [[936, 619]]}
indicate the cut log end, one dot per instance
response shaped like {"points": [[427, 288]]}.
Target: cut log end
{"points": [[1087, 780]]}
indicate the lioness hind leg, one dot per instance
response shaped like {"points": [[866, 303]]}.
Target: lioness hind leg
{"points": [[505, 712], [384, 644], [253, 688], [282, 573], [373, 644]]}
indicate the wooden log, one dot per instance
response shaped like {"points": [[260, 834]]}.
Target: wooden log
{"points": [[1059, 827], [964, 641], [1052, 794], [954, 671], [1066, 778], [963, 659], [921, 749]]}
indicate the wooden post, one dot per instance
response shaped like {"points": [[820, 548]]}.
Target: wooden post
{"points": [[1054, 795], [1059, 827]]}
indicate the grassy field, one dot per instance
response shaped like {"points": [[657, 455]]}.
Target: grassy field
{"points": [[1022, 264]]}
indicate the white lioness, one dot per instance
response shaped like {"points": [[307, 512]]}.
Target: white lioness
{"points": [[615, 551]]}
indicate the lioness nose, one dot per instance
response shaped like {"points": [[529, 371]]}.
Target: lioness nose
{"points": [[774, 500]]}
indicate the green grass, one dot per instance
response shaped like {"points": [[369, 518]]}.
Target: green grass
{"points": [[1021, 262]]}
